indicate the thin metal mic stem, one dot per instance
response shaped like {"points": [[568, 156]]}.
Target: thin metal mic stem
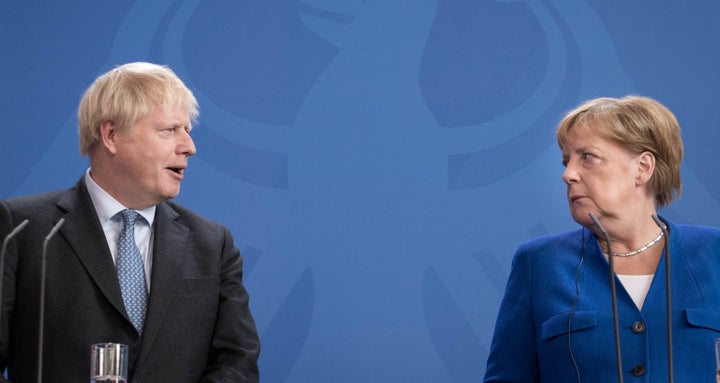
{"points": [[43, 266], [668, 295], [613, 295], [7, 239], [10, 236]]}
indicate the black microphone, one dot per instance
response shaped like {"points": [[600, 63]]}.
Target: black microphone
{"points": [[613, 295], [43, 266], [668, 295], [7, 239]]}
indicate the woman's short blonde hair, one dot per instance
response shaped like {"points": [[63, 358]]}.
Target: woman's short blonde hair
{"points": [[126, 94], [637, 124]]}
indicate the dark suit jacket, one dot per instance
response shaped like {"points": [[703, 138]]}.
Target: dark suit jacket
{"points": [[198, 326]]}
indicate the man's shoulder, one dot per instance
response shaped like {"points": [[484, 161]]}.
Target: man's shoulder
{"points": [[34, 201], [43, 199], [189, 216]]}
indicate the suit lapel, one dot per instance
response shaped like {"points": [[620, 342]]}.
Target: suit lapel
{"points": [[82, 230], [170, 238]]}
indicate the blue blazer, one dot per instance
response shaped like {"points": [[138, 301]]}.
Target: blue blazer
{"points": [[198, 326], [557, 306]]}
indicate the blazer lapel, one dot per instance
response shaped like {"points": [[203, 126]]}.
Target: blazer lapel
{"points": [[170, 237], [82, 230]]}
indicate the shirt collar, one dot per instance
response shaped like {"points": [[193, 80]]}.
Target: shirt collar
{"points": [[107, 207]]}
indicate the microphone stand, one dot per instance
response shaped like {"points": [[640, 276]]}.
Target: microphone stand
{"points": [[7, 239], [613, 295], [43, 267], [668, 295]]}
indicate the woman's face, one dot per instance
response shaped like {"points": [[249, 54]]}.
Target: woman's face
{"points": [[601, 177]]}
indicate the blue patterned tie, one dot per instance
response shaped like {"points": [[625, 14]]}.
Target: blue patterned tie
{"points": [[131, 271]]}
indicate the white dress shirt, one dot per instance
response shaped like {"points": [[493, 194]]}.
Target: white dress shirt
{"points": [[107, 209]]}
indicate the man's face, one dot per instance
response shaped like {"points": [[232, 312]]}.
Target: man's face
{"points": [[152, 156]]}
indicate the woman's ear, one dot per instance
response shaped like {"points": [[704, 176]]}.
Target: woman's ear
{"points": [[645, 168]]}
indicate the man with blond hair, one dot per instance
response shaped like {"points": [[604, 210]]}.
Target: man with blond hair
{"points": [[127, 265]]}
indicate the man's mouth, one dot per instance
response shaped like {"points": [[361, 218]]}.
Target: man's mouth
{"points": [[177, 170]]}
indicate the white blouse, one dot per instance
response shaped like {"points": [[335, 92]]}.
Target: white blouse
{"points": [[637, 286]]}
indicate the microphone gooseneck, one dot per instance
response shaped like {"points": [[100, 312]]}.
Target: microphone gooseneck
{"points": [[41, 326], [668, 295], [5, 243], [613, 297], [10, 236]]}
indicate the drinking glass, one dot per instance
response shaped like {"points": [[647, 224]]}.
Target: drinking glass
{"points": [[108, 363]]}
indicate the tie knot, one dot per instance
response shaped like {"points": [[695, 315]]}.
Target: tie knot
{"points": [[129, 217]]}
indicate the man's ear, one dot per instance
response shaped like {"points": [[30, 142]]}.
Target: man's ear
{"points": [[108, 136], [645, 167]]}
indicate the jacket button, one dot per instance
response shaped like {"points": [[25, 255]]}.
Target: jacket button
{"points": [[638, 327], [638, 370]]}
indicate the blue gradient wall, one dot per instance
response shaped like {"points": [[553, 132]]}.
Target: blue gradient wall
{"points": [[377, 161]]}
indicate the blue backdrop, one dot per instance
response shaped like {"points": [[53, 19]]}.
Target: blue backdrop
{"points": [[377, 161]]}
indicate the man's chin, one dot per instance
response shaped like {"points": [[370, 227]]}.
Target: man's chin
{"points": [[170, 194]]}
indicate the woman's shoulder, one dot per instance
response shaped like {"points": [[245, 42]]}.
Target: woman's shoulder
{"points": [[552, 255], [566, 246], [559, 241], [694, 234]]}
